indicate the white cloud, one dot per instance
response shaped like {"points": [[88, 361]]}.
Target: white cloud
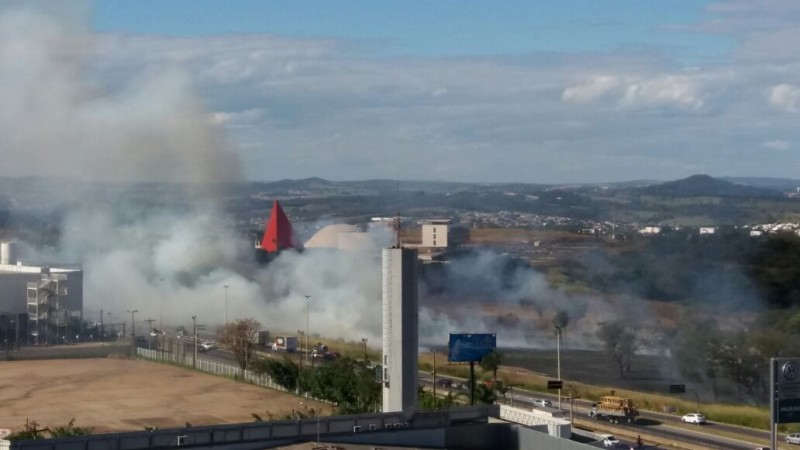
{"points": [[597, 87], [664, 92], [785, 97], [776, 145]]}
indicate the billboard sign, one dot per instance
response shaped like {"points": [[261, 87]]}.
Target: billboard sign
{"points": [[470, 347], [786, 388]]}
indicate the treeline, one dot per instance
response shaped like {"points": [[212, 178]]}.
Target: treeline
{"points": [[708, 354], [728, 268]]}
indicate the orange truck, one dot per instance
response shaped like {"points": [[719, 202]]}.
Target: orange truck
{"points": [[614, 409]]}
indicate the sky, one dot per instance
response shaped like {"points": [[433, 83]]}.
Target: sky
{"points": [[515, 91]]}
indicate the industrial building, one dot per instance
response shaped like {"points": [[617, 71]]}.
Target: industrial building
{"points": [[435, 233], [38, 304]]}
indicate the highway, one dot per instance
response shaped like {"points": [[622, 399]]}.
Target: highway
{"points": [[656, 428], [665, 429]]}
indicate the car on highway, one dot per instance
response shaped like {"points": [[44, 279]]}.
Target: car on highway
{"points": [[762, 448], [793, 438], [695, 418], [610, 441], [444, 382], [542, 403], [206, 345]]}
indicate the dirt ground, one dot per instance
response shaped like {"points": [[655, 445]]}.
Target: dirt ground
{"points": [[129, 395]]}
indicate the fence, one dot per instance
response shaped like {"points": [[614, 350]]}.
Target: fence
{"points": [[214, 367]]}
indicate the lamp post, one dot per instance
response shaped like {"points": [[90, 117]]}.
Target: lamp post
{"points": [[161, 313], [364, 341], [558, 360], [308, 300], [194, 328], [133, 330], [110, 319], [226, 306], [434, 378]]}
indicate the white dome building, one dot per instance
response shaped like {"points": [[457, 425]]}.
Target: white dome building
{"points": [[339, 236]]}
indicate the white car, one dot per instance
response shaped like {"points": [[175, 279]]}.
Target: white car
{"points": [[207, 345], [793, 438], [610, 441], [541, 403], [695, 418]]}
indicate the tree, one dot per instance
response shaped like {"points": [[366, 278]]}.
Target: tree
{"points": [[284, 371], [428, 401], [31, 430], [485, 394], [692, 350], [491, 363], [620, 344], [239, 337], [70, 430], [739, 359], [348, 383]]}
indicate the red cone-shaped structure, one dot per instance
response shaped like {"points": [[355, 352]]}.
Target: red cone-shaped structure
{"points": [[278, 234]]}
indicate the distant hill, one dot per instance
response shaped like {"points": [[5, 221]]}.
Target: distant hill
{"points": [[781, 184], [707, 186]]}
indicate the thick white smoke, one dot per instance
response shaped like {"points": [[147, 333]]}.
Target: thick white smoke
{"points": [[59, 120], [172, 263]]}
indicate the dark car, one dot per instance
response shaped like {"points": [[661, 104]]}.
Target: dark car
{"points": [[444, 382]]}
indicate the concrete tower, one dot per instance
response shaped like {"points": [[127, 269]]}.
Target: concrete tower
{"points": [[400, 329]]}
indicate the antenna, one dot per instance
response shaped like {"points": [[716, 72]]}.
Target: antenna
{"points": [[397, 243]]}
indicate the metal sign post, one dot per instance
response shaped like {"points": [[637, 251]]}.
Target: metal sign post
{"points": [[784, 394]]}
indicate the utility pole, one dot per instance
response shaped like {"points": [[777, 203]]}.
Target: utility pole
{"points": [[102, 330], [308, 299], [194, 325], [226, 307], [434, 379], [150, 333], [558, 361], [133, 330], [161, 317]]}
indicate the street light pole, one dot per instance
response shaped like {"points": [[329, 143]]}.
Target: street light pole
{"points": [[194, 326], [308, 300], [434, 379], [226, 306], [133, 330], [558, 360], [161, 314]]}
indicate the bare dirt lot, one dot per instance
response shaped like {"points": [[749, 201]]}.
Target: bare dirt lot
{"points": [[129, 395]]}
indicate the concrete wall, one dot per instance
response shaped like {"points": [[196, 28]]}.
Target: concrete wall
{"points": [[65, 352], [463, 428], [555, 426]]}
